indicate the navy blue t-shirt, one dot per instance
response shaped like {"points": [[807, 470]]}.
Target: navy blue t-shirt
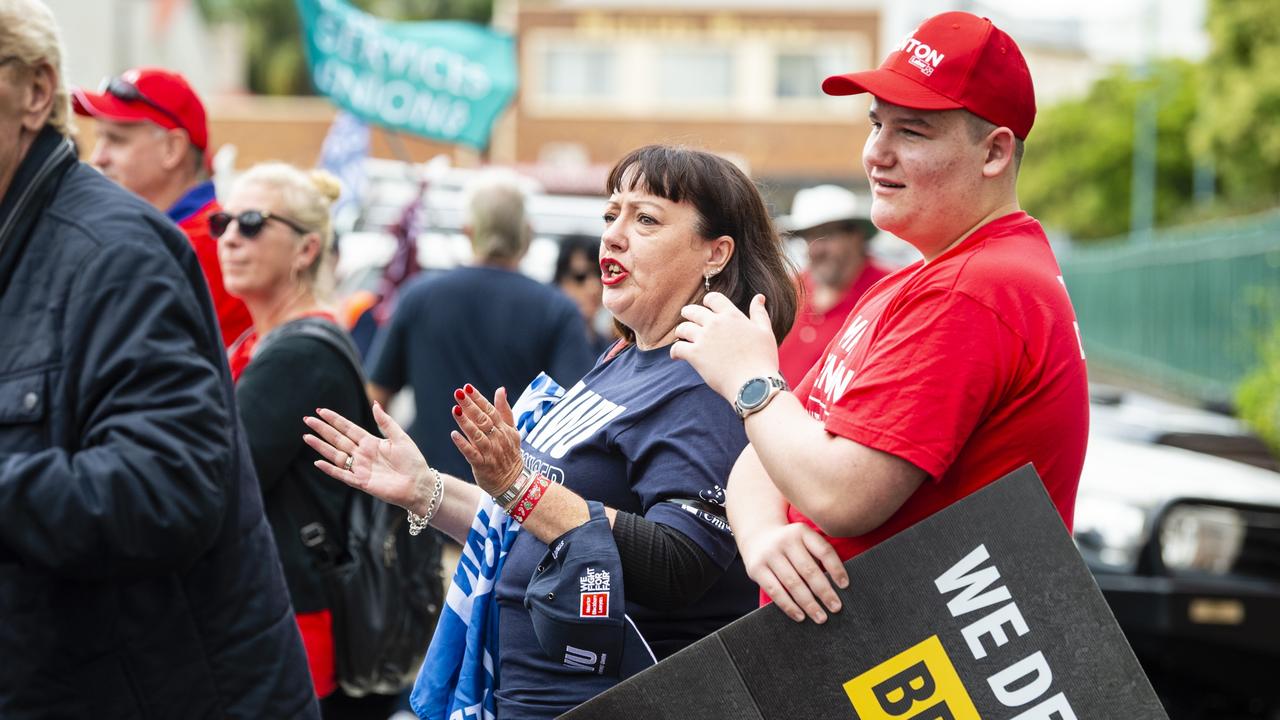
{"points": [[639, 430], [480, 325]]}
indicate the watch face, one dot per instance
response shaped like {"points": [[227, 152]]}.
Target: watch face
{"points": [[753, 393]]}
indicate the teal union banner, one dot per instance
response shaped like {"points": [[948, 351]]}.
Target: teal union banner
{"points": [[445, 80]]}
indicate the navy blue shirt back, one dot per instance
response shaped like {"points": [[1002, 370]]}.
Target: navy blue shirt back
{"points": [[638, 431], [481, 325]]}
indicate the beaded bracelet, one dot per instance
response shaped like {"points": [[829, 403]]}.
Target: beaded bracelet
{"points": [[536, 490], [418, 523]]}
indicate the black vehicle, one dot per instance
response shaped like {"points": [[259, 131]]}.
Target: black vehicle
{"points": [[1186, 548]]}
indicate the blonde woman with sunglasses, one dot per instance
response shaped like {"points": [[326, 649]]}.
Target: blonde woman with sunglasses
{"points": [[273, 236]]}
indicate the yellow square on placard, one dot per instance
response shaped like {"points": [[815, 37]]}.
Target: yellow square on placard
{"points": [[917, 682]]}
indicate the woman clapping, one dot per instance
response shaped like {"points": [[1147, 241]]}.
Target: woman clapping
{"points": [[620, 485]]}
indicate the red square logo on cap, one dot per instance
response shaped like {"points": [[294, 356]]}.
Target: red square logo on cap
{"points": [[595, 604]]}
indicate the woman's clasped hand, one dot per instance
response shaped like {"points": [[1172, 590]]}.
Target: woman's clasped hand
{"points": [[487, 437]]}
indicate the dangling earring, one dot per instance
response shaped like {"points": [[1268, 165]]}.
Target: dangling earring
{"points": [[706, 281]]}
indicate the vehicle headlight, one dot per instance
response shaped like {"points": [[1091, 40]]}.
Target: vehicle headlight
{"points": [[1109, 532], [1201, 538]]}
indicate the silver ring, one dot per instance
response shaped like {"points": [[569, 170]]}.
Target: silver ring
{"points": [[495, 427], [350, 459]]}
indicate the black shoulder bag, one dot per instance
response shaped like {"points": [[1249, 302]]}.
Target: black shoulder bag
{"points": [[384, 591]]}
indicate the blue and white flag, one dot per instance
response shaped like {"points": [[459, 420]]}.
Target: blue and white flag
{"points": [[458, 676], [345, 149]]}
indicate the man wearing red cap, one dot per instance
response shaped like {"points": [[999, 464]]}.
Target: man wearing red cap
{"points": [[949, 373], [153, 139]]}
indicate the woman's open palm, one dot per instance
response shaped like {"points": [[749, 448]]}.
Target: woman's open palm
{"points": [[391, 469]]}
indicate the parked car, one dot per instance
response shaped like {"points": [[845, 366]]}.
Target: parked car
{"points": [[1186, 548]]}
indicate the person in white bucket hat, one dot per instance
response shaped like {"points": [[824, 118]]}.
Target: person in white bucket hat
{"points": [[836, 227]]}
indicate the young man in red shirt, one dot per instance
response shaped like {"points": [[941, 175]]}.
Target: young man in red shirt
{"points": [[949, 373], [153, 140]]}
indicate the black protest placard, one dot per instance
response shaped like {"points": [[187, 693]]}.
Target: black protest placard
{"points": [[984, 610]]}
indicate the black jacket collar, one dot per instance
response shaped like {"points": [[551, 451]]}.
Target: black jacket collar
{"points": [[33, 186]]}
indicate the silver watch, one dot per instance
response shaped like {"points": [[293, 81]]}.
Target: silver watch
{"points": [[756, 393], [508, 496]]}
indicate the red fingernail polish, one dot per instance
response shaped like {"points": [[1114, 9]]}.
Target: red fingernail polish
{"points": [[457, 394], [470, 389], [457, 411]]}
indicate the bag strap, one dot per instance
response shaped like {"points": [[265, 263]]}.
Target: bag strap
{"points": [[313, 534], [320, 329]]}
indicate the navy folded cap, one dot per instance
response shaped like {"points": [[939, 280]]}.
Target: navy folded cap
{"points": [[578, 606]]}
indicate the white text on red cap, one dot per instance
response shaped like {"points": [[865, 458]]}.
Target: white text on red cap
{"points": [[922, 56]]}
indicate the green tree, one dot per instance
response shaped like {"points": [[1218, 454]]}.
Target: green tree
{"points": [[1242, 101], [1080, 154], [1258, 395], [273, 33]]}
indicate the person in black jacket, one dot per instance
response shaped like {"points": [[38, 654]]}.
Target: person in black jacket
{"points": [[272, 239], [138, 576]]}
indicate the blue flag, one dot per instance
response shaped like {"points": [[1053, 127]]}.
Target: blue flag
{"points": [[346, 146]]}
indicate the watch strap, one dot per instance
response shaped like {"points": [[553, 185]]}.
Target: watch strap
{"points": [[776, 385]]}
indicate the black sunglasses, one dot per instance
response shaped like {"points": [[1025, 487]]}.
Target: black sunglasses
{"points": [[581, 276], [250, 223], [129, 92]]}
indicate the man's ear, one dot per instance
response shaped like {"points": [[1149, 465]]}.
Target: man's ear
{"points": [[39, 88], [177, 146], [1000, 145]]}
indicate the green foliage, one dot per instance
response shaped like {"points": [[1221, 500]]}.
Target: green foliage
{"points": [[1238, 128], [1080, 155], [273, 33], [1242, 101], [1258, 395]]}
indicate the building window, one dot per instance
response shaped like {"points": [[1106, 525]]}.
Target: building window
{"points": [[573, 72], [697, 75], [800, 73]]}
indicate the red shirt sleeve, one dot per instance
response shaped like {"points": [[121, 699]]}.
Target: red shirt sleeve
{"points": [[233, 316], [931, 373]]}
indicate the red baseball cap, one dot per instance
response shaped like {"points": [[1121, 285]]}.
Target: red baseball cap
{"points": [[151, 94], [953, 60]]}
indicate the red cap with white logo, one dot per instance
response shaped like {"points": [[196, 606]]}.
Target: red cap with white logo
{"points": [[151, 94], [953, 60]]}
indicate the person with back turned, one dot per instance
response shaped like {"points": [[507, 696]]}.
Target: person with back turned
{"points": [[138, 577]]}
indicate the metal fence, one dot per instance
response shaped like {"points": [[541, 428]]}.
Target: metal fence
{"points": [[1185, 311]]}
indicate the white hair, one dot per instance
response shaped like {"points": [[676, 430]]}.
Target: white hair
{"points": [[495, 208], [29, 36]]}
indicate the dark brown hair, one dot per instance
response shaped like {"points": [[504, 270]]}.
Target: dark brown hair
{"points": [[728, 203]]}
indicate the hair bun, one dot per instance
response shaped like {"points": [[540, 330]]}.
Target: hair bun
{"points": [[326, 184]]}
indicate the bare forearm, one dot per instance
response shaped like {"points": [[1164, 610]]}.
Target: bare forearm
{"points": [[457, 507], [560, 511], [846, 488], [752, 501], [792, 448]]}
